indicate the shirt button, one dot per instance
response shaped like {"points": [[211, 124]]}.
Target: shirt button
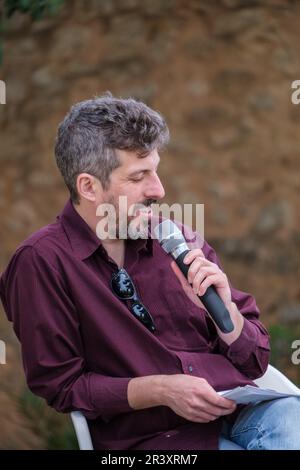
{"points": [[190, 368]]}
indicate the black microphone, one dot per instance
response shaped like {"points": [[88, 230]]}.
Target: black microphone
{"points": [[174, 243]]}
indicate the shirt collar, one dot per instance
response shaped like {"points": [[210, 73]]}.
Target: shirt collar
{"points": [[84, 240]]}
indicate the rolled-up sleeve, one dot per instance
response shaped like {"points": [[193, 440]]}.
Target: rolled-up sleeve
{"points": [[250, 352], [45, 320]]}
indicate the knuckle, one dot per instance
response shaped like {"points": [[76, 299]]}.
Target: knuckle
{"points": [[202, 381], [220, 401], [208, 419], [193, 270], [191, 403], [216, 400]]}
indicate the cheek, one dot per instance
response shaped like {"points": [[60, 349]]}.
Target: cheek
{"points": [[125, 197]]}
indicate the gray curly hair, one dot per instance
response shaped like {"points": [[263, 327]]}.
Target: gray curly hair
{"points": [[93, 129]]}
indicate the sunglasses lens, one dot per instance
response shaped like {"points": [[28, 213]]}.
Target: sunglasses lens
{"points": [[143, 315], [122, 286], [140, 311]]}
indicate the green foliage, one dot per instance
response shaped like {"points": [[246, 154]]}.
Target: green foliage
{"points": [[281, 340], [55, 429], [35, 8], [282, 337]]}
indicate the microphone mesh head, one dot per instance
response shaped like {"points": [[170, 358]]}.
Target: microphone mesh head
{"points": [[169, 235], [166, 230]]}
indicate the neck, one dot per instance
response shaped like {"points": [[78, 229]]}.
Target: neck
{"points": [[115, 248], [88, 215]]}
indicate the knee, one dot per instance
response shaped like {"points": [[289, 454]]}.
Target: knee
{"points": [[283, 419], [289, 407], [279, 414]]}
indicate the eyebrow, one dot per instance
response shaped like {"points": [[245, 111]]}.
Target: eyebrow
{"points": [[137, 172]]}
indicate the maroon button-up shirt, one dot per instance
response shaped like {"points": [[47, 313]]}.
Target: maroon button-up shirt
{"points": [[81, 345]]}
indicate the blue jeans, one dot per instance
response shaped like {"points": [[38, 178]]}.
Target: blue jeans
{"points": [[268, 425]]}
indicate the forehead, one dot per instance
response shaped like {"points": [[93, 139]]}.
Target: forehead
{"points": [[131, 161]]}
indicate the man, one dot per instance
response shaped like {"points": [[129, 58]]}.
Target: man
{"points": [[110, 327]]}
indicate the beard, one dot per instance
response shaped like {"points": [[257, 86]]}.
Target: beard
{"points": [[124, 222]]}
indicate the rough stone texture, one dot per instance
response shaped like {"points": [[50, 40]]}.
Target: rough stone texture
{"points": [[220, 72]]}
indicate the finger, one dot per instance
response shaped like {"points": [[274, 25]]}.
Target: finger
{"points": [[192, 255], [211, 412], [214, 399], [229, 411], [201, 275], [224, 403], [214, 410], [186, 286], [210, 416], [219, 410], [214, 279], [202, 417], [195, 267]]}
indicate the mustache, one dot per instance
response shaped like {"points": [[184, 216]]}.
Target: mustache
{"points": [[148, 202]]}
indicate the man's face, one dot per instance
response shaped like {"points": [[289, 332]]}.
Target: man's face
{"points": [[136, 179]]}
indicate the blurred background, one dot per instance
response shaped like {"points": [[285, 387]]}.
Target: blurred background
{"points": [[220, 72]]}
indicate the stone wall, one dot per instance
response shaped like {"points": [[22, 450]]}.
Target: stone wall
{"points": [[220, 72]]}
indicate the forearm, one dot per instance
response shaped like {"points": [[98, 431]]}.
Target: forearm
{"points": [[187, 396], [146, 392], [247, 347]]}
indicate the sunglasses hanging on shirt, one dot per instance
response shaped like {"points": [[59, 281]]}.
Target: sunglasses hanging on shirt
{"points": [[123, 288]]}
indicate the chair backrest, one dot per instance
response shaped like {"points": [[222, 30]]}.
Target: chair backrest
{"points": [[272, 378], [276, 380], [82, 431]]}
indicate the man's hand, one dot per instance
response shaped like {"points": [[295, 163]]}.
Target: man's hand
{"points": [[194, 399], [203, 273]]}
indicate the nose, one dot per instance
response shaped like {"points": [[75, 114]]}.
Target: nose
{"points": [[155, 189]]}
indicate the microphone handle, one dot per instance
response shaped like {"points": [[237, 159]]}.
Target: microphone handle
{"points": [[211, 300]]}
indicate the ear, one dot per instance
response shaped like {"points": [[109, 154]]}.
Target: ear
{"points": [[88, 187]]}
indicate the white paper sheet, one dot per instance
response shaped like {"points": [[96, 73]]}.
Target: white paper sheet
{"points": [[250, 394]]}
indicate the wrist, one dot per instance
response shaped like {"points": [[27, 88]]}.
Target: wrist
{"points": [[147, 392], [160, 392], [238, 322]]}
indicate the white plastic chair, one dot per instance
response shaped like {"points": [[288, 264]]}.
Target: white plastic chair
{"points": [[271, 379], [82, 431]]}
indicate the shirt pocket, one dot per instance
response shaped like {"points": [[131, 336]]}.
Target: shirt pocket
{"points": [[180, 323], [190, 321]]}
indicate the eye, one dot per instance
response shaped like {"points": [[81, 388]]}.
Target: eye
{"points": [[136, 180]]}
